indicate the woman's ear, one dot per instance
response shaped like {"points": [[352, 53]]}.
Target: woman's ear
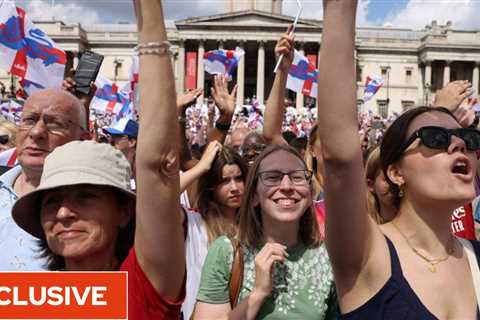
{"points": [[395, 175]]}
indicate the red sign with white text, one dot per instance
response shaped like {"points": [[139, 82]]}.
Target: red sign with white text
{"points": [[191, 76], [63, 295]]}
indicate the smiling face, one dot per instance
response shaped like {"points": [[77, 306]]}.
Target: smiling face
{"points": [[81, 221], [287, 201], [444, 176], [229, 192]]}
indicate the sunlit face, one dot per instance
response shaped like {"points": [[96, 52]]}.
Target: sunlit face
{"points": [[286, 202], [431, 174], [229, 192], [81, 221], [34, 144]]}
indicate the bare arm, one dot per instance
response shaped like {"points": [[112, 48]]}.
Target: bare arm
{"points": [[351, 234], [159, 236], [185, 100], [275, 108], [225, 101]]}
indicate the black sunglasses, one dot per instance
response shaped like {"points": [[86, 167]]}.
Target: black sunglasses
{"points": [[440, 138], [4, 138]]}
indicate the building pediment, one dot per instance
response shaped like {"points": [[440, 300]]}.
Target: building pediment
{"points": [[245, 20]]}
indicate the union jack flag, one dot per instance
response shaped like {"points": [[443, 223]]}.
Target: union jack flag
{"points": [[372, 85], [222, 61], [109, 99]]}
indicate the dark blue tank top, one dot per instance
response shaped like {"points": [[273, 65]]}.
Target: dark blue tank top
{"points": [[396, 300]]}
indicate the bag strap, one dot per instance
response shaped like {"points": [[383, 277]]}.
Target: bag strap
{"points": [[472, 261], [236, 275]]}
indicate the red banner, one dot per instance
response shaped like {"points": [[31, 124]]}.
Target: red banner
{"points": [[191, 71], [312, 58]]}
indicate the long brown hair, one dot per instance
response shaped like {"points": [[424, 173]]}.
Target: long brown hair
{"points": [[250, 227], [215, 221], [373, 168]]}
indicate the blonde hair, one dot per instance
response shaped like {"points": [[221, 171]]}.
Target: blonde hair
{"points": [[373, 168], [12, 130], [312, 162]]}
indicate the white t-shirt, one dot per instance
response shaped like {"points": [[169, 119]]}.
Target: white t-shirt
{"points": [[196, 248]]}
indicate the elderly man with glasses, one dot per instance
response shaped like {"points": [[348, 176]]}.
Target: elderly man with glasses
{"points": [[50, 118]]}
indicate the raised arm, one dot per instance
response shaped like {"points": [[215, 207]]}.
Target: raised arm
{"points": [[351, 234], [275, 108], [159, 236], [225, 102]]}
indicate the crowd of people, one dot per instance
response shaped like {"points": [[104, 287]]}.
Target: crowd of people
{"points": [[258, 212]]}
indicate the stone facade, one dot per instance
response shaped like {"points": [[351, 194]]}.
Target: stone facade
{"points": [[413, 63]]}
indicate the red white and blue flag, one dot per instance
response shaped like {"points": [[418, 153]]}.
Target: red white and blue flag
{"points": [[27, 51], [222, 61], [372, 85], [11, 110], [110, 99], [303, 76], [132, 86], [8, 158]]}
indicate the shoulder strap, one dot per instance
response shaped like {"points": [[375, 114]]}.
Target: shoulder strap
{"points": [[472, 261], [236, 275], [394, 261]]}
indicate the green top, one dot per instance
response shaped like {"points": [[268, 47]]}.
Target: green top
{"points": [[303, 285]]}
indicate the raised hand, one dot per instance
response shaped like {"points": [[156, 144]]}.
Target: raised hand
{"points": [[224, 100], [285, 46], [264, 261], [209, 155], [186, 99], [453, 94]]}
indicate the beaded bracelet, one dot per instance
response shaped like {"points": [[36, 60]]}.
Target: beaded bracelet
{"points": [[158, 48]]}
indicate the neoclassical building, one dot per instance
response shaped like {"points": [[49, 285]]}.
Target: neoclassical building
{"points": [[413, 63]]}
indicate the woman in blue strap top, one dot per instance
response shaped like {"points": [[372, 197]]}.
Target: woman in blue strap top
{"points": [[411, 267]]}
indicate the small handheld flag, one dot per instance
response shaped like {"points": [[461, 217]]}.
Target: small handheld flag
{"points": [[222, 61], [303, 76], [372, 85]]}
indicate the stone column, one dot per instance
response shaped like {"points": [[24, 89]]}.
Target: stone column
{"points": [[75, 59], [261, 72], [428, 74], [300, 97], [181, 67], [220, 44], [241, 76], [475, 77], [446, 73], [200, 70]]}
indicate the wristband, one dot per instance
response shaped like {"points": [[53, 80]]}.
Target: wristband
{"points": [[222, 126]]}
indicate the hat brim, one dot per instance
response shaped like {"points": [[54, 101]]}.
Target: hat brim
{"points": [[26, 210], [114, 131]]}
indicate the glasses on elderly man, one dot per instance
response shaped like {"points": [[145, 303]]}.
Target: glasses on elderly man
{"points": [[54, 124], [274, 178]]}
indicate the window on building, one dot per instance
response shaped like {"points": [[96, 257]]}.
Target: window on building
{"points": [[407, 104], [359, 73], [382, 106], [408, 75], [384, 71]]}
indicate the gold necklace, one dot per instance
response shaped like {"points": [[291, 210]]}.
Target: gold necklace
{"points": [[431, 262]]}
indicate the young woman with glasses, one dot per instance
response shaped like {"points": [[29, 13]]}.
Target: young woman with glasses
{"points": [[286, 270], [412, 267]]}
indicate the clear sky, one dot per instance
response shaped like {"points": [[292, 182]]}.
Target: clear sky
{"points": [[399, 13]]}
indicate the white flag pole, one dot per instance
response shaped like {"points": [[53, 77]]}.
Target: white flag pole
{"points": [[300, 8]]}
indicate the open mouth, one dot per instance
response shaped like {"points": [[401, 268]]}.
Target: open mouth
{"points": [[461, 166], [286, 202]]}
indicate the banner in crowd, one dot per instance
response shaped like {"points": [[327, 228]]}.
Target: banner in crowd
{"points": [[222, 61], [133, 77], [110, 99], [12, 110], [372, 85], [191, 71], [303, 76], [26, 51]]}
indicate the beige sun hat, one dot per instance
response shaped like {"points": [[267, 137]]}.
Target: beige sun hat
{"points": [[77, 162]]}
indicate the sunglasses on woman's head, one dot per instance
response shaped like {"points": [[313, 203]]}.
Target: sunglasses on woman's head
{"points": [[4, 138], [440, 138]]}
